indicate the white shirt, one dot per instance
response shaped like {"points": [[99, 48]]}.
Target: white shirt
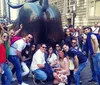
{"points": [[38, 58], [52, 58], [75, 34], [17, 45], [95, 30], [84, 37]]}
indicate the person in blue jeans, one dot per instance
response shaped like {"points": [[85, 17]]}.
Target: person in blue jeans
{"points": [[5, 70], [94, 77], [15, 56], [80, 62], [38, 63], [96, 61], [7, 73], [92, 45], [40, 75]]}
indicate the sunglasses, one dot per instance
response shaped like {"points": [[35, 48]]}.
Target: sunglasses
{"points": [[5, 36], [43, 47], [12, 33], [73, 42], [30, 37]]}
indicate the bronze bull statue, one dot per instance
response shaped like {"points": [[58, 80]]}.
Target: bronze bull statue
{"points": [[42, 21]]}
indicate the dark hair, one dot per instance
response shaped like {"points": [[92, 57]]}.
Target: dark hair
{"points": [[87, 28], [62, 51], [74, 39], [50, 47]]}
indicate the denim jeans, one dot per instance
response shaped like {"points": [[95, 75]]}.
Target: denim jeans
{"points": [[14, 59], [92, 69], [77, 73], [96, 62], [40, 75], [7, 76]]}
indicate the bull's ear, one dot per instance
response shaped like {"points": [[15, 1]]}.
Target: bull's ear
{"points": [[15, 5]]}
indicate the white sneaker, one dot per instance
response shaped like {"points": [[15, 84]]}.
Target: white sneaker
{"points": [[61, 83], [24, 83], [14, 79]]}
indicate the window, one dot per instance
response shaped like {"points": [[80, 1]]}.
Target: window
{"points": [[94, 8], [91, 8], [97, 8]]}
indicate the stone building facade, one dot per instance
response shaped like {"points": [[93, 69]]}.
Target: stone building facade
{"points": [[93, 11], [85, 12]]}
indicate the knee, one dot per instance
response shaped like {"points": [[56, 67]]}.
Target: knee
{"points": [[43, 77], [40, 75], [27, 72]]}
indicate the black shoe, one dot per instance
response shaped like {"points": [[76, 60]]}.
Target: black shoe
{"points": [[93, 81], [74, 82], [80, 82]]}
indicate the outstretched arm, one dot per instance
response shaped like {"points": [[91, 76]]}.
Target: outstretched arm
{"points": [[1, 27], [21, 26]]}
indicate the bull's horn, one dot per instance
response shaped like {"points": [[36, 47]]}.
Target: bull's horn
{"points": [[14, 5]]}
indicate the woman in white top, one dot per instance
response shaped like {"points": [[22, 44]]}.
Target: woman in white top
{"points": [[52, 58]]}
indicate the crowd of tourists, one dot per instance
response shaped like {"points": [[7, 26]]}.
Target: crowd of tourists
{"points": [[61, 63]]}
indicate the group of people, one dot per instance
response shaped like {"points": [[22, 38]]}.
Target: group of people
{"points": [[61, 63], [11, 48]]}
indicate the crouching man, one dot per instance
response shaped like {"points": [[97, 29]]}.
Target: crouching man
{"points": [[38, 62]]}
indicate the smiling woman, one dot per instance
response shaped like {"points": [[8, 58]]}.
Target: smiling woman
{"points": [[3, 60], [4, 37]]}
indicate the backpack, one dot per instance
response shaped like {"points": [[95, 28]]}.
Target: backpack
{"points": [[15, 38]]}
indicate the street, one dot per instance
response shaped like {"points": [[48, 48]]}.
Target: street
{"points": [[85, 76]]}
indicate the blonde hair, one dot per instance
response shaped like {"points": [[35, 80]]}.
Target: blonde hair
{"points": [[2, 35]]}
